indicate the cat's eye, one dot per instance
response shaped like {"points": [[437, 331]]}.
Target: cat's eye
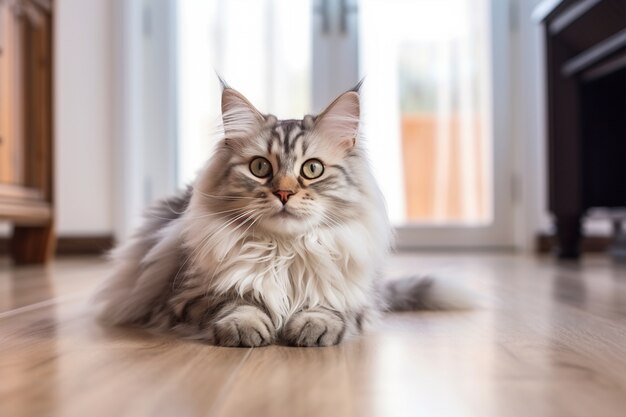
{"points": [[311, 169], [260, 167]]}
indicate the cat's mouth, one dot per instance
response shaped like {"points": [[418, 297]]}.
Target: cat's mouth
{"points": [[285, 213]]}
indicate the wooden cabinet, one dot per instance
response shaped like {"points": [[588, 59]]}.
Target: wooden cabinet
{"points": [[586, 80], [26, 127]]}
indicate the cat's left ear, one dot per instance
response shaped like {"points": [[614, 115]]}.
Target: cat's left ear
{"points": [[339, 122]]}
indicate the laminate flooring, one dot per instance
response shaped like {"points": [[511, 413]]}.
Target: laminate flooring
{"points": [[548, 339]]}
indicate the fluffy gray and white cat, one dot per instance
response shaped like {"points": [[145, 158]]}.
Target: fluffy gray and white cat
{"points": [[281, 239]]}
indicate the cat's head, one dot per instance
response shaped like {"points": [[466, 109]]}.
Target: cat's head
{"points": [[286, 176]]}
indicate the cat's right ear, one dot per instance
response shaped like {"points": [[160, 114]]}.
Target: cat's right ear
{"points": [[239, 117]]}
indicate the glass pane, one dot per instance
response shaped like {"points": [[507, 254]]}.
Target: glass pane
{"points": [[261, 47], [426, 106]]}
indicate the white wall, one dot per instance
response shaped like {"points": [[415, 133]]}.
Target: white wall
{"points": [[528, 101], [83, 119]]}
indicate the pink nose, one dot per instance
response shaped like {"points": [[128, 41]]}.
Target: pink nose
{"points": [[283, 195]]}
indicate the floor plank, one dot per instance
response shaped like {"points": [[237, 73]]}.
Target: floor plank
{"points": [[275, 378], [548, 340]]}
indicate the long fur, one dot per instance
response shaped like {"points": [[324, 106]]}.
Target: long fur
{"points": [[226, 262]]}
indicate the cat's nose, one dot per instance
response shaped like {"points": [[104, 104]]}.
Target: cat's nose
{"points": [[283, 195]]}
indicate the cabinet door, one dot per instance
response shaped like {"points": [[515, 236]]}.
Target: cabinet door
{"points": [[11, 100]]}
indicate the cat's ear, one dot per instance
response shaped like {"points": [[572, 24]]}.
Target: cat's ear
{"points": [[240, 118], [339, 122]]}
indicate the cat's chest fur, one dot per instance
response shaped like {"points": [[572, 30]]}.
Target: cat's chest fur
{"points": [[322, 268]]}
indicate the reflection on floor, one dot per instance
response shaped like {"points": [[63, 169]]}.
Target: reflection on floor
{"points": [[550, 340]]}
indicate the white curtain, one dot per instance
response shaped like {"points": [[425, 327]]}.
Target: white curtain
{"points": [[429, 57], [261, 47]]}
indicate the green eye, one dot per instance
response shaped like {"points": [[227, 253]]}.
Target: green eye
{"points": [[260, 167], [311, 169]]}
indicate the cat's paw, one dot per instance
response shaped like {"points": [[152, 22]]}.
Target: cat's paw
{"points": [[314, 328], [244, 326]]}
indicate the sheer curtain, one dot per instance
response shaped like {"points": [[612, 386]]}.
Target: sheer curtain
{"points": [[261, 47], [425, 107]]}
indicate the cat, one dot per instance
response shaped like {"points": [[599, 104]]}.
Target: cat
{"points": [[281, 239]]}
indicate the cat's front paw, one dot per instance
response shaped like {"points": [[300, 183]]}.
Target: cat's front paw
{"points": [[314, 328], [244, 326]]}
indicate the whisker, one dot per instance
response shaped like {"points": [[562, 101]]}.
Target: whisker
{"points": [[335, 217], [217, 268], [223, 197], [195, 252], [228, 224], [196, 217], [204, 242], [326, 218]]}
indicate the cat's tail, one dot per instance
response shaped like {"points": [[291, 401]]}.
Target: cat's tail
{"points": [[427, 293]]}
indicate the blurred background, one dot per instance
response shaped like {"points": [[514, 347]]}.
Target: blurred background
{"points": [[455, 104]]}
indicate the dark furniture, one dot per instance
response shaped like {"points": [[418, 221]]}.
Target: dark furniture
{"points": [[26, 127], [586, 81]]}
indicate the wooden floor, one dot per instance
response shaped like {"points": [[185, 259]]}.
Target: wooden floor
{"points": [[549, 341]]}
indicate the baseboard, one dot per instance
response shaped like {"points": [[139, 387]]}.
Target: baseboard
{"points": [[97, 245], [73, 245], [589, 244]]}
